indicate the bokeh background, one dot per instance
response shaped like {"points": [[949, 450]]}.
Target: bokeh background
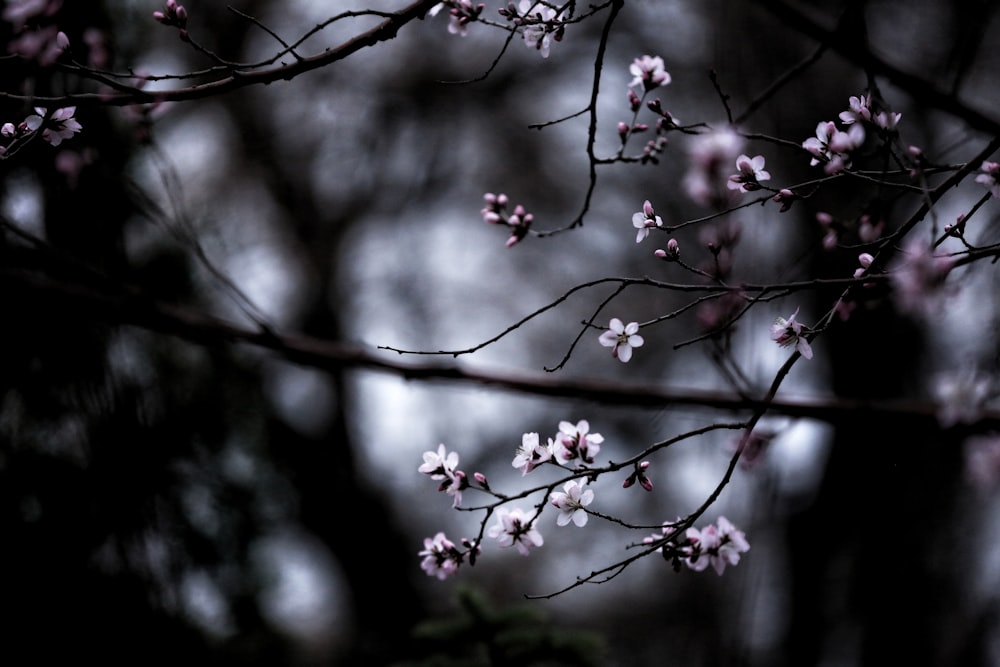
{"points": [[168, 496]]}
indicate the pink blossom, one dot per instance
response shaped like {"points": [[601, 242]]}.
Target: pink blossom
{"points": [[749, 173], [833, 147], [440, 557], [622, 339], [787, 333], [645, 220], [541, 24], [172, 14], [515, 528], [571, 502], [439, 464], [990, 177], [710, 157], [462, 13], [576, 442], [57, 127], [716, 545], [531, 453], [860, 109], [648, 71]]}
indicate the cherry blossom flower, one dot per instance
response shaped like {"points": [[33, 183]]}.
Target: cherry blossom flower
{"points": [[750, 171], [888, 120], [710, 155], [541, 24], [668, 529], [648, 71], [918, 280], [576, 442], [571, 502], [990, 177], [515, 528], [622, 339], [531, 453], [833, 147], [645, 220], [462, 12], [716, 545], [442, 465], [439, 464], [860, 109], [787, 333], [57, 127], [440, 557]]}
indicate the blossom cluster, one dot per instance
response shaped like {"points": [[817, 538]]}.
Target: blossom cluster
{"points": [[53, 127], [172, 15], [495, 213], [648, 74], [573, 442], [834, 147], [716, 545], [462, 13], [541, 23]]}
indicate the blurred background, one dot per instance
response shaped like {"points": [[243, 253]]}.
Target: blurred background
{"points": [[168, 496]]}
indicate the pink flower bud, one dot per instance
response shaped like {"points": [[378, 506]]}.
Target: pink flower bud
{"points": [[865, 260], [62, 41], [481, 480]]}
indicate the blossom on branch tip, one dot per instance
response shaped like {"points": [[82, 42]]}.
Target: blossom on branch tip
{"points": [[622, 339], [576, 442], [531, 453], [571, 502], [462, 13], [788, 333], [443, 466], [542, 24], [859, 110], [495, 213], [750, 171], [56, 127], [638, 475], [515, 528], [833, 147], [172, 14], [649, 71], [645, 220], [990, 177], [717, 545], [671, 254], [440, 557]]}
